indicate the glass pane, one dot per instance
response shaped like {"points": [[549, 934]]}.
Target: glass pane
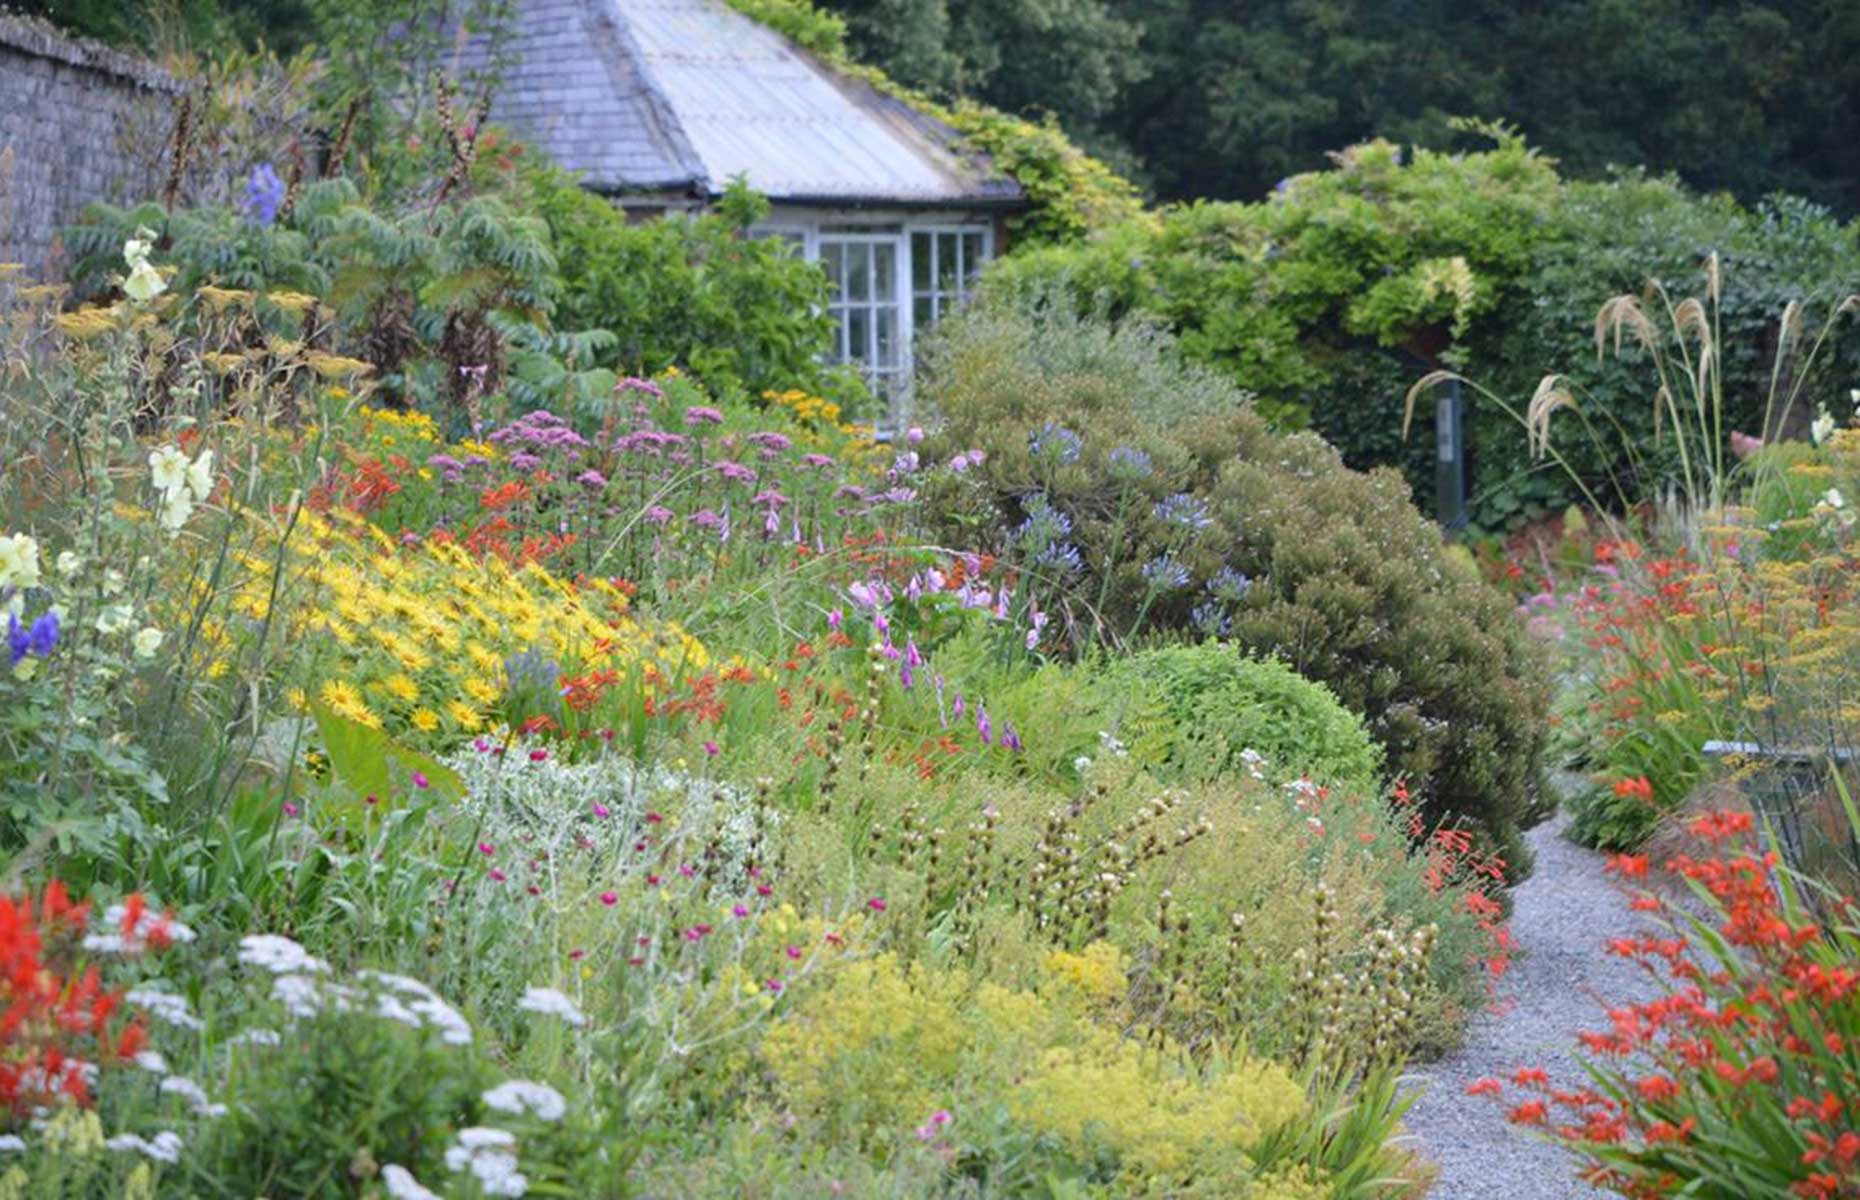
{"points": [[833, 263], [859, 271], [887, 337], [924, 312], [838, 315], [921, 252], [886, 261], [948, 270], [971, 259], [858, 335]]}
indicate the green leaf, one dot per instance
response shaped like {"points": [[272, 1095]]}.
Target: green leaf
{"points": [[368, 762]]}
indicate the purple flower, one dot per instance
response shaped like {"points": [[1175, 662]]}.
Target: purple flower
{"points": [[770, 497], [958, 708], [592, 479], [983, 725], [817, 461], [523, 460], [264, 195], [705, 518], [736, 472], [658, 514], [633, 383], [771, 440], [914, 435], [18, 641], [1009, 739], [702, 414], [42, 638], [1185, 510]]}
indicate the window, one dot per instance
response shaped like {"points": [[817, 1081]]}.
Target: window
{"points": [[945, 263], [886, 283], [867, 307]]}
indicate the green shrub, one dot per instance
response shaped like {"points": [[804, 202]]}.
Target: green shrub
{"points": [[1224, 704], [1142, 494], [690, 292], [1331, 297]]}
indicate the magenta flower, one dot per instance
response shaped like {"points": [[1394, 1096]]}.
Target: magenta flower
{"points": [[609, 899], [486, 848], [419, 780], [739, 911], [876, 904], [711, 749]]}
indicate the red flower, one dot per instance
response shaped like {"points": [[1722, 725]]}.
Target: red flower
{"points": [[1484, 1087]]}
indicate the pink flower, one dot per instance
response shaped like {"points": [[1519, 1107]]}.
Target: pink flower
{"points": [[577, 955], [710, 748], [538, 755], [687, 870], [601, 810], [498, 876], [652, 881], [794, 952], [486, 848], [653, 818], [774, 985], [419, 780], [291, 810], [739, 911], [875, 904], [609, 899]]}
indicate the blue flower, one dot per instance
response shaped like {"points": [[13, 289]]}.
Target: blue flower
{"points": [[42, 638], [18, 641], [1229, 584], [264, 195], [1211, 619], [1190, 512], [1055, 442], [1127, 464], [1165, 574]]}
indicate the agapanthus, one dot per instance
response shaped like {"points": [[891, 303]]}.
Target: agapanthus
{"points": [[1190, 512], [1212, 619], [1055, 442], [1128, 464], [1229, 584], [264, 195], [1165, 574]]}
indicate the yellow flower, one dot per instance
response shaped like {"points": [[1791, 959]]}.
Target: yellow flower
{"points": [[345, 701], [464, 715], [424, 719], [401, 687]]}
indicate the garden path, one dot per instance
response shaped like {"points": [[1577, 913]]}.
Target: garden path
{"points": [[1560, 984]]}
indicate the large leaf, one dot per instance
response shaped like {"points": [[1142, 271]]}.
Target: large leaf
{"points": [[368, 762]]}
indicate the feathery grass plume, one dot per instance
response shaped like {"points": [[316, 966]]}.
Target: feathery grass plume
{"points": [[1551, 394], [1618, 313]]}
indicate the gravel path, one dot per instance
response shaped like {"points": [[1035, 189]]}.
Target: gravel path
{"points": [[1558, 986]]}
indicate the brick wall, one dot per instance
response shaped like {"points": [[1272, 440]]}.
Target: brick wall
{"points": [[63, 106]]}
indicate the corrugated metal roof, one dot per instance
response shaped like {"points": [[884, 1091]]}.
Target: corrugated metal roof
{"points": [[657, 94]]}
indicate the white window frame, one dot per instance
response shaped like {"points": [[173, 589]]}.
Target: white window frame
{"points": [[810, 228]]}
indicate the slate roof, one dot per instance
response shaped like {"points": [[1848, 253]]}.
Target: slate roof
{"points": [[658, 95]]}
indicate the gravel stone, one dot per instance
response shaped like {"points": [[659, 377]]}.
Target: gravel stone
{"points": [[1562, 982]]}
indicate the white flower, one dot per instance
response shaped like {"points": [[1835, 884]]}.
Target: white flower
{"points": [[144, 284], [279, 955], [168, 469], [164, 1147], [194, 1094], [519, 1096], [152, 1062], [164, 1006], [115, 618], [151, 926], [299, 994], [1081, 764], [1833, 498], [484, 1137], [147, 642], [176, 508], [69, 564], [401, 1185], [136, 249], [12, 1143], [200, 476], [19, 561], [551, 1003], [257, 1037], [1823, 427]]}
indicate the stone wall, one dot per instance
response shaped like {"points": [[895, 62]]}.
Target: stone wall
{"points": [[63, 107]]}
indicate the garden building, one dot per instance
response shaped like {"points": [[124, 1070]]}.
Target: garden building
{"points": [[660, 104]]}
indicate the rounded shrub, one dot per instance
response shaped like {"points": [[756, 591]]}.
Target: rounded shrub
{"points": [[1140, 494], [1221, 704]]}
